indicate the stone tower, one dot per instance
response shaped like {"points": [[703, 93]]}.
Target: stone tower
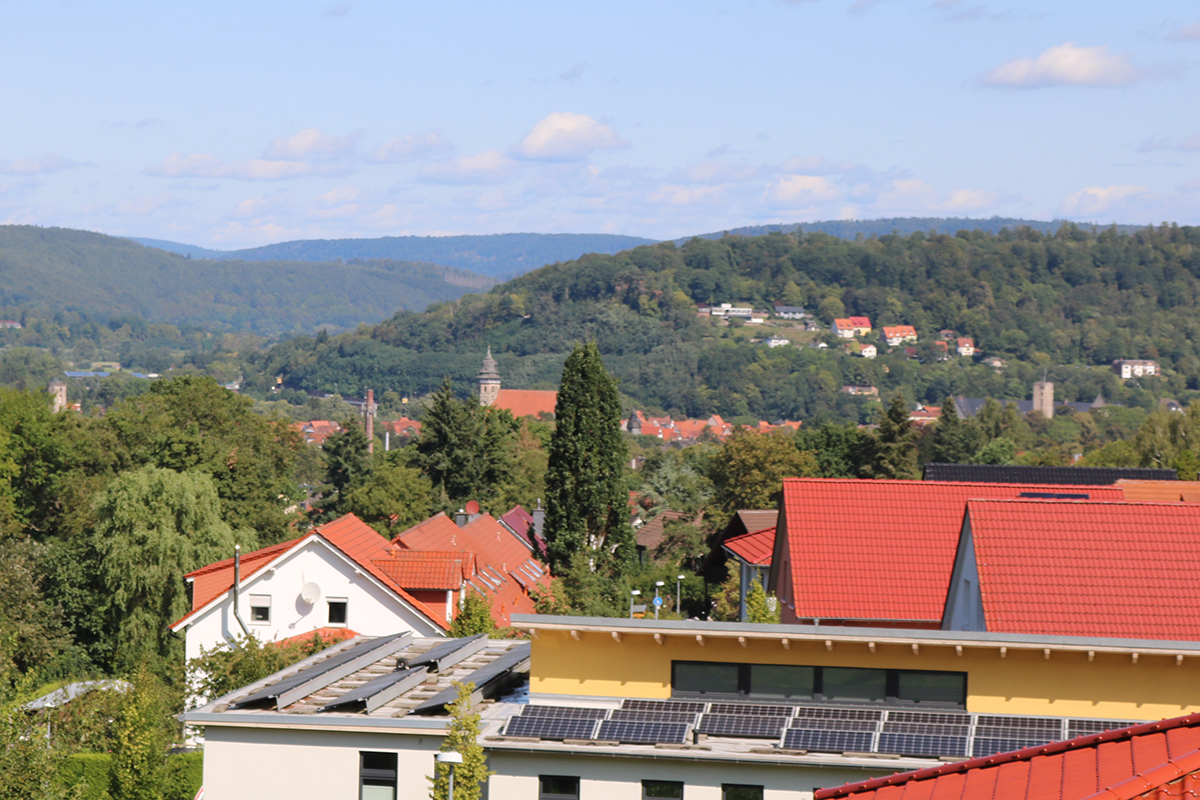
{"points": [[1043, 398], [58, 395], [489, 380]]}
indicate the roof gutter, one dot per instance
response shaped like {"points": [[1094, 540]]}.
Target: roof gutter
{"points": [[237, 582]]}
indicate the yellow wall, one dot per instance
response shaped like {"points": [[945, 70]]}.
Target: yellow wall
{"points": [[1023, 682]]}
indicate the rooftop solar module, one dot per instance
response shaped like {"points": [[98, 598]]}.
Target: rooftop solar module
{"points": [[446, 655], [664, 705], [907, 744], [930, 717], [745, 725], [621, 715], [836, 724], [928, 730], [375, 693], [550, 727], [1083, 727], [827, 741], [752, 709], [487, 679], [642, 732], [1053, 726], [572, 712], [811, 712], [995, 732]]}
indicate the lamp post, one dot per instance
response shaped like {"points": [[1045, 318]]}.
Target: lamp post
{"points": [[678, 595], [450, 757], [632, 594], [657, 601]]}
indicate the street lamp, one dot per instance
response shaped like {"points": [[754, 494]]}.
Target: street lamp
{"points": [[678, 596], [657, 600], [632, 594], [450, 757]]}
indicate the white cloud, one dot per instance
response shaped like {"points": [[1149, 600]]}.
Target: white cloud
{"points": [[51, 162], [685, 195], [563, 136], [1191, 186], [258, 207], [1066, 65], [201, 165], [490, 166], [794, 191], [411, 147], [144, 206], [1188, 33], [1191, 142], [969, 200], [311, 144], [1100, 199]]}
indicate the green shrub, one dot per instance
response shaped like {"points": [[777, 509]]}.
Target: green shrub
{"points": [[90, 771], [183, 776]]}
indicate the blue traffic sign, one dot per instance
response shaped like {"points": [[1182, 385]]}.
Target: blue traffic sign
{"points": [[658, 601]]}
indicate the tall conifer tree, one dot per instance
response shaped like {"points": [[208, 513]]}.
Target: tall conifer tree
{"points": [[587, 502]]}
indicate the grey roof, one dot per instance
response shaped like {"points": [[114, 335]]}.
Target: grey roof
{"points": [[970, 406], [490, 371], [1062, 476], [64, 695]]}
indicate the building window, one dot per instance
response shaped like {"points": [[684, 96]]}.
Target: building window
{"points": [[558, 787], [672, 790], [741, 791], [783, 682], [377, 776], [337, 612], [260, 608]]}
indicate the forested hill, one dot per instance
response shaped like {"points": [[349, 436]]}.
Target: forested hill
{"points": [[499, 255], [853, 228], [104, 277], [1066, 304]]}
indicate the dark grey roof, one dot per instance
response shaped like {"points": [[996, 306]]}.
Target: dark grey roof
{"points": [[1064, 476], [970, 406]]}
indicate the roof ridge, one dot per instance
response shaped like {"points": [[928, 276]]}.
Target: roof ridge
{"points": [[1026, 754]]}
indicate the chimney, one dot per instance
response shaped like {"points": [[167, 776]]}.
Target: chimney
{"points": [[371, 421], [460, 519], [539, 518]]}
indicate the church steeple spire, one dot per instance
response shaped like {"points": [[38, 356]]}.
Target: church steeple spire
{"points": [[489, 380]]}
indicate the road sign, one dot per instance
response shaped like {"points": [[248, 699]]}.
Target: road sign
{"points": [[658, 601]]}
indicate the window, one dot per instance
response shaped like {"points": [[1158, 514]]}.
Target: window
{"points": [[558, 787], [377, 776], [260, 608], [741, 791], [786, 682], [672, 790], [337, 612]]}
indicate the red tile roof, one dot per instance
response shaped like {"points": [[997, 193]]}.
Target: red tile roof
{"points": [[651, 534], [526, 402], [754, 548], [1158, 759], [415, 569], [1161, 491], [1088, 569], [883, 549]]}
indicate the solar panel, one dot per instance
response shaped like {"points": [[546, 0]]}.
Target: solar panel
{"points": [[990, 746], [550, 727], [827, 741], [919, 728], [815, 712], [566, 712], [642, 732], [375, 693], [449, 653], [907, 744], [622, 715], [752, 709], [664, 705], [747, 725], [930, 717], [1040, 724], [836, 724], [487, 679], [1084, 727], [991, 732]]}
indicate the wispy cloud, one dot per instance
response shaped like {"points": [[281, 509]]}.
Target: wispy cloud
{"points": [[308, 152], [490, 166], [1066, 64], [311, 143], [1188, 33], [575, 72], [563, 136], [1093, 200], [49, 163], [410, 148]]}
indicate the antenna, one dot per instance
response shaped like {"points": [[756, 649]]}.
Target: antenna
{"points": [[310, 593]]}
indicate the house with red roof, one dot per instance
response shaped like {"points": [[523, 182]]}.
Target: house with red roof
{"points": [[1153, 760], [881, 553], [316, 431], [328, 578], [849, 327], [518, 402], [898, 334]]}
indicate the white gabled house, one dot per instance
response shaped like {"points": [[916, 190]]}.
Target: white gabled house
{"points": [[326, 579]]}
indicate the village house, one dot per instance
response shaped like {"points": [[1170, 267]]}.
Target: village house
{"points": [[849, 327], [790, 312], [1134, 368], [868, 350], [777, 341], [869, 391], [965, 346], [894, 335]]}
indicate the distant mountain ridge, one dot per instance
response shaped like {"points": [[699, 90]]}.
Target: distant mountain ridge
{"points": [[851, 228], [500, 255]]}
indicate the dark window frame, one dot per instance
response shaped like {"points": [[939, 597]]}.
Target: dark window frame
{"points": [[380, 776], [646, 783], [260, 613], [891, 684], [345, 604], [725, 787], [544, 795]]}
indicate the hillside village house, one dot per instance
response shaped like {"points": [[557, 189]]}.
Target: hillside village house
{"points": [[894, 335], [1135, 368], [868, 350], [869, 391], [965, 346], [790, 312], [849, 327]]}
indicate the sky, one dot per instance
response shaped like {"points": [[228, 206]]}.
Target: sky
{"points": [[230, 125]]}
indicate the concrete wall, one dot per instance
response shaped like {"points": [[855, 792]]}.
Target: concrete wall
{"points": [[371, 610], [1022, 682]]}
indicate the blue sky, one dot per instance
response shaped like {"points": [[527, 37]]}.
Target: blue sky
{"points": [[237, 124]]}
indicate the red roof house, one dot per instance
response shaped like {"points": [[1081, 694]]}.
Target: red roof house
{"points": [[753, 548], [880, 553], [1152, 760], [526, 402], [1077, 569]]}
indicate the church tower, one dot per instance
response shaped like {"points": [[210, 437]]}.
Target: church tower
{"points": [[489, 380]]}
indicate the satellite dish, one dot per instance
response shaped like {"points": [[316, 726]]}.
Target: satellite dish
{"points": [[310, 593]]}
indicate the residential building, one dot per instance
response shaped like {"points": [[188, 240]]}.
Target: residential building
{"points": [[965, 346], [947, 334], [327, 578], [1134, 367], [9, 323], [870, 391], [751, 554], [790, 312], [777, 341], [868, 350], [519, 402], [650, 536], [894, 335], [925, 415], [995, 362], [316, 431], [849, 327]]}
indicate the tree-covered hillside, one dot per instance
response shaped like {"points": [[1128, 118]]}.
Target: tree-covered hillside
{"points": [[102, 276], [1064, 305], [498, 255], [853, 228]]}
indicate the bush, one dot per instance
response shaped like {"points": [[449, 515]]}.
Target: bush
{"points": [[183, 776], [90, 772]]}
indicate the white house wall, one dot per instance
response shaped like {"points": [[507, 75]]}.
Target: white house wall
{"points": [[371, 609]]}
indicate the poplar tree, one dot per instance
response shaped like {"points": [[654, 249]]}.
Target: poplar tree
{"points": [[587, 502]]}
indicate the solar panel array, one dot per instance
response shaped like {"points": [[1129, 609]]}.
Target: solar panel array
{"points": [[816, 728]]}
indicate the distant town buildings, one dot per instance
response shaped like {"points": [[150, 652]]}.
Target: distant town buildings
{"points": [[868, 391], [849, 327], [895, 335], [519, 402], [1134, 367]]}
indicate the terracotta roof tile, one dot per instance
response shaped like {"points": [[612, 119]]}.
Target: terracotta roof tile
{"points": [[754, 548], [1158, 759], [1161, 491], [416, 569], [526, 402], [1088, 569], [882, 550]]}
